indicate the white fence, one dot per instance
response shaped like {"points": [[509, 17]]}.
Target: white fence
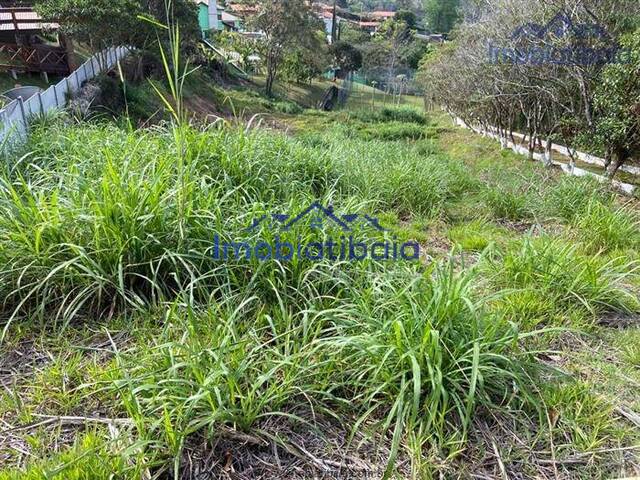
{"points": [[14, 117], [622, 187]]}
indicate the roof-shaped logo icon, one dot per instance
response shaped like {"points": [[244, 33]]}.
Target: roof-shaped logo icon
{"points": [[320, 217], [560, 26]]}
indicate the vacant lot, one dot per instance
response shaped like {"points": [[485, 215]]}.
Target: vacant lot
{"points": [[510, 349]]}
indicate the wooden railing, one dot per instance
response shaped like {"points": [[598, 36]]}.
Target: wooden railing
{"points": [[34, 58]]}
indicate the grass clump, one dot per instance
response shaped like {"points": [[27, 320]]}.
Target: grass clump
{"points": [[475, 236], [555, 270], [410, 353], [604, 227], [89, 458], [394, 131], [403, 114], [582, 419], [571, 196], [425, 351], [507, 203]]}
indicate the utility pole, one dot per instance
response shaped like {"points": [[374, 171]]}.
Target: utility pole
{"points": [[334, 19]]}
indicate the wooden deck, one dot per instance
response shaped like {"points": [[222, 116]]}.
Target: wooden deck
{"points": [[21, 22]]}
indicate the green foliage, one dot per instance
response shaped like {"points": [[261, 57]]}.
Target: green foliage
{"points": [[559, 272], [391, 114], [441, 15], [288, 26], [609, 228], [100, 219], [507, 203], [476, 236], [303, 64], [89, 458], [287, 107], [569, 198], [346, 57], [104, 23], [236, 42], [424, 350], [583, 418], [407, 17], [394, 131], [415, 51], [617, 103], [99, 222]]}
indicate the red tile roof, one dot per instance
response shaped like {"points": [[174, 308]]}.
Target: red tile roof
{"points": [[383, 14]]}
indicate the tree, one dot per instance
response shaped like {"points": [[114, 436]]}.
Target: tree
{"points": [[441, 15], [241, 44], [546, 100], [353, 34], [617, 107], [408, 17], [287, 25], [105, 23], [346, 57], [414, 52], [395, 35], [303, 64]]}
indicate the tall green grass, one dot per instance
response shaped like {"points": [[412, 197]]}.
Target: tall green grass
{"points": [[406, 352], [96, 221], [560, 274]]}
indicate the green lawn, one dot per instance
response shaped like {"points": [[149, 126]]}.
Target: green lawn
{"points": [[7, 82]]}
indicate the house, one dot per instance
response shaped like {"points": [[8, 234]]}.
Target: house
{"points": [[367, 21], [231, 22], [209, 16], [242, 10], [381, 16], [24, 47]]}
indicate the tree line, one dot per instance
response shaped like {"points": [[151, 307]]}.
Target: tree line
{"points": [[560, 70]]}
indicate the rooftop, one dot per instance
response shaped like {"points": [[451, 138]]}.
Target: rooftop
{"points": [[22, 20]]}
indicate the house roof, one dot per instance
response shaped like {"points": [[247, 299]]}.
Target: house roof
{"points": [[382, 14], [227, 17], [243, 9], [26, 20]]}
